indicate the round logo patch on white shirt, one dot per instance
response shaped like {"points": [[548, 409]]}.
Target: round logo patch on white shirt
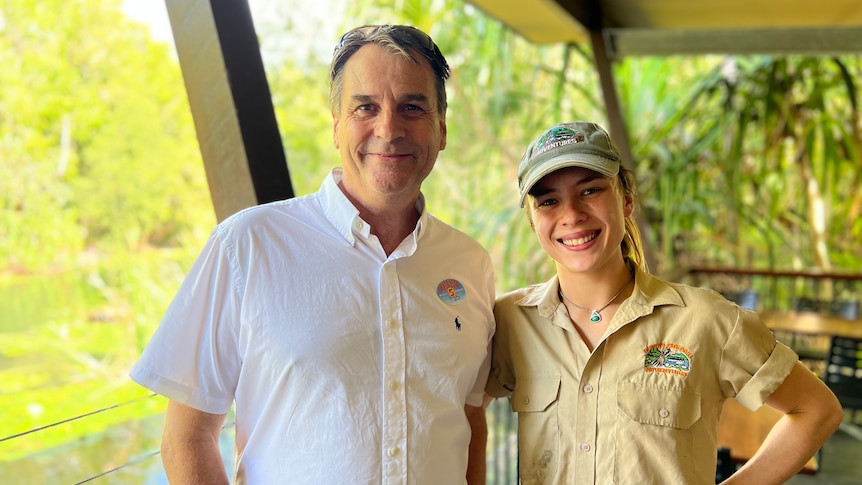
{"points": [[451, 291]]}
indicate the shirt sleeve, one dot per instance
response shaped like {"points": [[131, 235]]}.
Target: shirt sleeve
{"points": [[754, 364], [477, 394], [501, 379], [193, 356]]}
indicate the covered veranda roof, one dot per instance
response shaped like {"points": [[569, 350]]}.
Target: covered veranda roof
{"points": [[685, 27]]}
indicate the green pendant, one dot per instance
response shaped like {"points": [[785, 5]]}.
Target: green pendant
{"points": [[595, 317]]}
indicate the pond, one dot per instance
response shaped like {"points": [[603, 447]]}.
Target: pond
{"points": [[70, 413]]}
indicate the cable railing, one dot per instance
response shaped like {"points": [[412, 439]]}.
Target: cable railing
{"points": [[52, 464], [137, 454]]}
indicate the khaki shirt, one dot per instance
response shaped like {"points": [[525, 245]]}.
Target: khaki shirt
{"points": [[643, 407]]}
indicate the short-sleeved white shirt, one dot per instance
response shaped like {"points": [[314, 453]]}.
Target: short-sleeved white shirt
{"points": [[643, 406], [346, 366]]}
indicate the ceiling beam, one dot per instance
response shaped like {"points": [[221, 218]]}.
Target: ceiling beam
{"points": [[748, 41]]}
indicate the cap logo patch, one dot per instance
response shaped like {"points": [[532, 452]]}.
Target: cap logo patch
{"points": [[668, 358], [557, 137]]}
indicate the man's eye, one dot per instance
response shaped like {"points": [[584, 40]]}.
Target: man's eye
{"points": [[546, 202], [413, 110]]}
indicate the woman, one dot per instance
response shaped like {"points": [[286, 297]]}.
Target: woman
{"points": [[618, 376]]}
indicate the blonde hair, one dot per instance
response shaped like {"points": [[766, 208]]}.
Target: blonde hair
{"points": [[632, 245]]}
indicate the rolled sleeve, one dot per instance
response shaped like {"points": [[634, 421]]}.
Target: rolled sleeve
{"points": [[770, 375]]}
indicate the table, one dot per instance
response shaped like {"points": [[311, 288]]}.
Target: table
{"points": [[742, 431], [810, 323]]}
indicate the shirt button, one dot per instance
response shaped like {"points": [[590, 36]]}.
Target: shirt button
{"points": [[394, 451], [392, 323], [359, 225], [585, 447], [663, 412], [526, 400], [588, 388], [394, 385], [350, 239]]}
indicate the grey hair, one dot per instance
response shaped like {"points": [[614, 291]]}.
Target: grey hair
{"points": [[404, 40]]}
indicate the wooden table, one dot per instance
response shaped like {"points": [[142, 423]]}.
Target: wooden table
{"points": [[743, 431], [812, 324]]}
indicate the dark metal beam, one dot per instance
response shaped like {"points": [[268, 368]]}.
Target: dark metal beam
{"points": [[740, 41], [617, 122], [230, 102]]}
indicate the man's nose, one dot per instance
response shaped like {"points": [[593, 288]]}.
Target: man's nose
{"points": [[389, 125]]}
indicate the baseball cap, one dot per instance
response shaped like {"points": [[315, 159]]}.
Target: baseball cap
{"points": [[571, 144]]}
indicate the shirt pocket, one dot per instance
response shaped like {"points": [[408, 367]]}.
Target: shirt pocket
{"points": [[535, 399], [663, 406], [653, 435]]}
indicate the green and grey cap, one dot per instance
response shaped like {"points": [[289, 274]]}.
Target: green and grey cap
{"points": [[573, 144]]}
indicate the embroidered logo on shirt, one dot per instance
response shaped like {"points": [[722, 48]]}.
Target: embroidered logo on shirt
{"points": [[451, 291], [668, 358]]}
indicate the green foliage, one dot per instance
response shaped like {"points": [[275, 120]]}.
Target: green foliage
{"points": [[76, 361], [763, 152], [96, 142]]}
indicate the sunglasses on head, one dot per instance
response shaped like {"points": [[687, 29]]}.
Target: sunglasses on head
{"points": [[405, 32]]}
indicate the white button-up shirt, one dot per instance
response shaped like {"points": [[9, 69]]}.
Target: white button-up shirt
{"points": [[346, 366]]}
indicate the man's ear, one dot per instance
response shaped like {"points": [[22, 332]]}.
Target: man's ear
{"points": [[335, 129]]}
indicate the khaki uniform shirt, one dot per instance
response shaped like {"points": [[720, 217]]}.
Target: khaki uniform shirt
{"points": [[643, 407]]}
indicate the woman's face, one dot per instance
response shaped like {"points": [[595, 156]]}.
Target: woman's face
{"points": [[579, 217]]}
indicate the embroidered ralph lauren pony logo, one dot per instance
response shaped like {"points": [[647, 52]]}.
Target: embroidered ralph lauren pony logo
{"points": [[668, 358]]}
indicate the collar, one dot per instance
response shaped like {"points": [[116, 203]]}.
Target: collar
{"points": [[649, 292], [345, 216]]}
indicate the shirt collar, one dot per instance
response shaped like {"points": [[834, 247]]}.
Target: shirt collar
{"points": [[345, 216], [649, 292]]}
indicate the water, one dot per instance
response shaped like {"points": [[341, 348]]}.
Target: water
{"points": [[66, 344]]}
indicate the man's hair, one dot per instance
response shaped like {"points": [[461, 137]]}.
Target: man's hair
{"points": [[399, 39]]}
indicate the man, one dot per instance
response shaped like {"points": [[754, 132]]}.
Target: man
{"points": [[350, 327]]}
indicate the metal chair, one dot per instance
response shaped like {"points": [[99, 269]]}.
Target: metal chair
{"points": [[724, 466], [844, 372]]}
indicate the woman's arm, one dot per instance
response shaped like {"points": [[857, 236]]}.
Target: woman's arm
{"points": [[811, 414]]}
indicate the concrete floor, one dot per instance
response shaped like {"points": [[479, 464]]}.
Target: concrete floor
{"points": [[840, 459]]}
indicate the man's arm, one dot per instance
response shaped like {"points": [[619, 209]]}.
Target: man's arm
{"points": [[811, 414], [478, 440], [190, 451]]}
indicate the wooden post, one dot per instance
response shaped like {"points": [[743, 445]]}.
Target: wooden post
{"points": [[230, 103]]}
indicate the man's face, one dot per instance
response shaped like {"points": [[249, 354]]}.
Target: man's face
{"points": [[388, 130]]}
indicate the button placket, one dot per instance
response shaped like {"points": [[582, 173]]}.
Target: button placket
{"points": [[394, 371]]}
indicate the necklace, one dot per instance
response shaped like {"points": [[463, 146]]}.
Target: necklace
{"points": [[595, 314]]}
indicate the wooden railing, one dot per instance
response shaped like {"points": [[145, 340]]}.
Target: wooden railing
{"points": [[777, 290]]}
